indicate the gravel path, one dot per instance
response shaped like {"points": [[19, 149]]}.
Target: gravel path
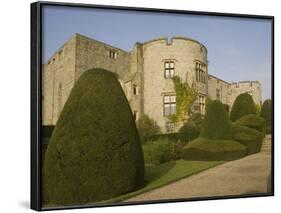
{"points": [[243, 176]]}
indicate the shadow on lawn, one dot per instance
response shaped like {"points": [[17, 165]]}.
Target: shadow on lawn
{"points": [[155, 172]]}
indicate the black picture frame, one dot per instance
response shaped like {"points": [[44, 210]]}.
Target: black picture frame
{"points": [[36, 62]]}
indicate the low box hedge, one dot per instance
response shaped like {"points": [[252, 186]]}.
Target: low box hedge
{"points": [[250, 138], [252, 121], [174, 137], [203, 149], [158, 152]]}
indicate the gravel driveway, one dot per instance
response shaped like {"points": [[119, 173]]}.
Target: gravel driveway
{"points": [[247, 175]]}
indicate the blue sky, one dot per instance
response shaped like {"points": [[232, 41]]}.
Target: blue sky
{"points": [[238, 48]]}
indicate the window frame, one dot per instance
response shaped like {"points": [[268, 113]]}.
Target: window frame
{"points": [[170, 104], [169, 69]]}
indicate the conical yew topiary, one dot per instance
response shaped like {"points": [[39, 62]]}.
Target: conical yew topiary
{"points": [[94, 153], [266, 112], [216, 124], [243, 105]]}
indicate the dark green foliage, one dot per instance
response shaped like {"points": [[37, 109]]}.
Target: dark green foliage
{"points": [[203, 149], [188, 127], [157, 152], [46, 131], [243, 105], [266, 113], [252, 121], [216, 124], [183, 137], [249, 137], [196, 119], [147, 127], [94, 152], [227, 107]]}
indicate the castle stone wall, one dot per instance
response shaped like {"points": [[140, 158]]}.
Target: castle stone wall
{"points": [[58, 80], [140, 73], [183, 52]]}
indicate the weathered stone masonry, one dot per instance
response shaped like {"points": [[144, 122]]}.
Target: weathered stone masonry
{"points": [[145, 73]]}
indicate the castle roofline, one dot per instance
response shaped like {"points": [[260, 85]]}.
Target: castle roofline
{"points": [[84, 37], [242, 82], [212, 76], [106, 44], [173, 38]]}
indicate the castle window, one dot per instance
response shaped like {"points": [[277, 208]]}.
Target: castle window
{"points": [[135, 115], [218, 95], [135, 89], [200, 70], [202, 102], [113, 54], [169, 69], [169, 105]]}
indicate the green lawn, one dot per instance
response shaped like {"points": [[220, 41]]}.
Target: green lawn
{"points": [[163, 174]]}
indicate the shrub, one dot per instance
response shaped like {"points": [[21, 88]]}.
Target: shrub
{"points": [[227, 107], [147, 127], [203, 149], [94, 153], [188, 127], [266, 113], [252, 121], [258, 109], [157, 152], [174, 137], [251, 138], [196, 119], [216, 124], [243, 105]]}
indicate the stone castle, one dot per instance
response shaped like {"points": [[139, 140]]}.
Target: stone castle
{"points": [[145, 74]]}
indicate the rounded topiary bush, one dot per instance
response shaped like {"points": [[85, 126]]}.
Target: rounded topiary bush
{"points": [[216, 124], [252, 121], [203, 149], [94, 153], [266, 113], [249, 137], [243, 105], [188, 127], [147, 127]]}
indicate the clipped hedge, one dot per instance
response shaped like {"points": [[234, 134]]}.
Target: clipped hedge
{"points": [[203, 149], [46, 131], [243, 105], [189, 127], [157, 152], [249, 137], [174, 137], [252, 121], [216, 124], [94, 153], [266, 113]]}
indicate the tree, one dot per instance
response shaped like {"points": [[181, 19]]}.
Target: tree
{"points": [[94, 153], [243, 105], [216, 124]]}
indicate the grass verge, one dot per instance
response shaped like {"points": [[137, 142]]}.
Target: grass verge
{"points": [[163, 174]]}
